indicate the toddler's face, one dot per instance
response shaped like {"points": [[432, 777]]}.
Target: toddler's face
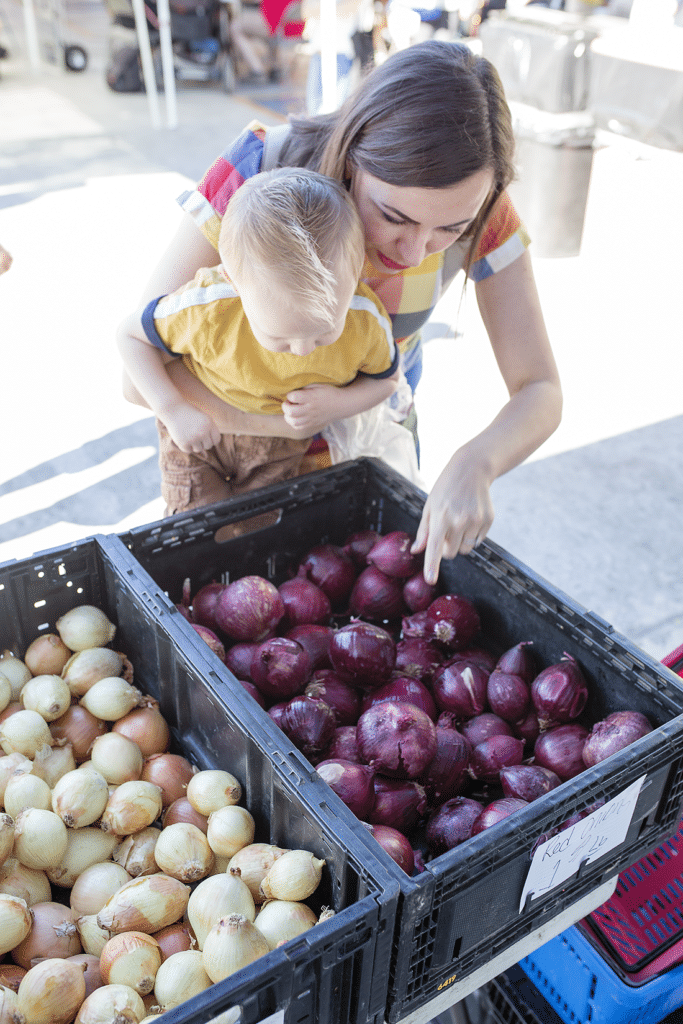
{"points": [[279, 324]]}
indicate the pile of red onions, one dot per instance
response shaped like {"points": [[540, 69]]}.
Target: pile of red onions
{"points": [[387, 687]]}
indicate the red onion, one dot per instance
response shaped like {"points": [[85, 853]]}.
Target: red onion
{"points": [[326, 685], [238, 658], [418, 658], [396, 739], [353, 783], [391, 555], [304, 602], [395, 844], [309, 724], [451, 824], [519, 661], [343, 746], [496, 811], [419, 865], [453, 620], [210, 639], [529, 728], [559, 693], [479, 728], [478, 655], [447, 774], [493, 754], [614, 733], [416, 626], [359, 544], [185, 612], [508, 695], [561, 749], [331, 569], [316, 640], [253, 691], [249, 608], [280, 668], [204, 604], [363, 653], [405, 689], [528, 781], [417, 593], [398, 802], [277, 712], [460, 687], [376, 596]]}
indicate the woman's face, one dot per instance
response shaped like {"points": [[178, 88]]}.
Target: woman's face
{"points": [[404, 225]]}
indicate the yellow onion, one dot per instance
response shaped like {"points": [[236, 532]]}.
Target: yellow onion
{"points": [[117, 758], [29, 885], [79, 798], [218, 897], [95, 885], [93, 938], [136, 852], [294, 876], [53, 934], [8, 1005], [25, 732], [51, 763], [282, 920], [145, 904], [47, 655], [85, 846], [230, 828], [23, 790], [10, 977], [131, 807], [111, 698], [170, 771], [87, 667], [51, 992], [48, 695], [40, 838], [182, 810], [15, 922], [175, 938], [180, 977], [9, 764], [210, 789], [6, 836], [254, 862], [147, 727], [131, 958], [79, 728], [91, 970], [5, 692], [112, 1004], [182, 850], [232, 944], [85, 626], [16, 671]]}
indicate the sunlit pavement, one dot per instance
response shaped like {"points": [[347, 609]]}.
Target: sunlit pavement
{"points": [[87, 203]]}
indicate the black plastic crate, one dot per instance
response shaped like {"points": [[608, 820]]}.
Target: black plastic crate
{"points": [[332, 973], [464, 909]]}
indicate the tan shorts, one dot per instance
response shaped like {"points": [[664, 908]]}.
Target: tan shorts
{"points": [[238, 464]]}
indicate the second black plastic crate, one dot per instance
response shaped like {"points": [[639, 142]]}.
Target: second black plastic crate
{"points": [[332, 974], [464, 910]]}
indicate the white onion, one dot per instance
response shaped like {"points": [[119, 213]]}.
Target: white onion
{"points": [[229, 829], [5, 691], [254, 862], [48, 695], [15, 922], [25, 732], [85, 846], [51, 763], [182, 850], [112, 1004], [136, 852], [218, 897], [131, 807], [145, 904], [234, 943], [50, 992], [23, 790], [6, 836], [95, 886], [93, 938], [85, 626], [40, 838], [294, 876], [210, 789], [8, 1005], [79, 798], [26, 883], [131, 958], [16, 671], [117, 758], [85, 668], [111, 698], [180, 977], [282, 920]]}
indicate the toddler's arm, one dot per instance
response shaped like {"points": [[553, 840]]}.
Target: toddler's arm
{"points": [[312, 408], [190, 428]]}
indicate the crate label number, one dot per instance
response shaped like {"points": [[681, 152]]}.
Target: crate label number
{"points": [[559, 858]]}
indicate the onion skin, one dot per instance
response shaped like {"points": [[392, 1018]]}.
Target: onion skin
{"points": [[404, 690], [309, 724], [315, 640], [331, 569], [417, 658], [304, 603], [493, 754], [249, 609], [363, 653], [508, 695], [561, 750], [395, 844], [528, 781], [391, 555], [460, 687], [559, 693], [613, 733], [344, 700], [353, 783], [398, 802], [479, 728], [280, 668], [343, 745], [451, 824], [416, 626], [376, 596], [396, 739], [453, 621], [497, 811], [238, 659], [447, 774]]}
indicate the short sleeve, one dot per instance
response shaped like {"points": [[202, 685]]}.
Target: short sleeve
{"points": [[504, 239], [207, 203]]}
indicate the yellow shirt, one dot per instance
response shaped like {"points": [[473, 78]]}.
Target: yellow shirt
{"points": [[205, 324]]}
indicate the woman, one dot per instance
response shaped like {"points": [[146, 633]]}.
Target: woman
{"points": [[425, 147]]}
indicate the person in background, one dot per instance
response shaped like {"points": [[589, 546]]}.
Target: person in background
{"points": [[5, 260], [281, 329], [425, 147], [353, 19]]}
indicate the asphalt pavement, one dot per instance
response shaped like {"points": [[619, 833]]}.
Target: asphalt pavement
{"points": [[87, 204]]}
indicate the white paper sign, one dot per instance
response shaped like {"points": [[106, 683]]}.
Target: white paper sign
{"points": [[595, 835]]}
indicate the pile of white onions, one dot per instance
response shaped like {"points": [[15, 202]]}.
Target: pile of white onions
{"points": [[167, 890]]}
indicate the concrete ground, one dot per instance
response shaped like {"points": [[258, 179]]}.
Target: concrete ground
{"points": [[87, 203]]}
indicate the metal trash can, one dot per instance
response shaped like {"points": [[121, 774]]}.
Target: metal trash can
{"points": [[554, 158]]}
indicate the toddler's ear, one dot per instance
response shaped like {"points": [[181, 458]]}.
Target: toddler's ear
{"points": [[224, 274]]}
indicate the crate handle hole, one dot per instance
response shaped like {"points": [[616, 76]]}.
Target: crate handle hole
{"points": [[456, 948], [250, 525]]}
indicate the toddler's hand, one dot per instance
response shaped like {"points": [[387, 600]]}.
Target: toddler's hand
{"points": [[310, 409], [192, 430]]}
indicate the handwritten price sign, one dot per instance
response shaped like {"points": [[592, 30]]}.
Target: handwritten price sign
{"points": [[595, 835]]}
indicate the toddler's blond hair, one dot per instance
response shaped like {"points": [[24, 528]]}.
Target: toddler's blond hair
{"points": [[299, 227]]}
